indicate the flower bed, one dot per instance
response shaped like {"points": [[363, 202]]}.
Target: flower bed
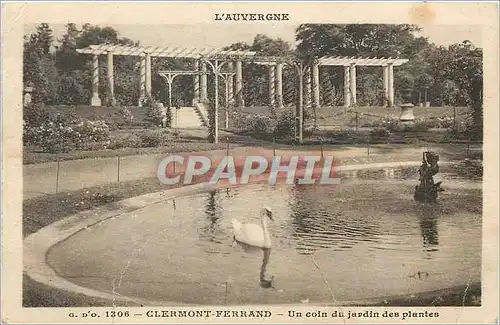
{"points": [[79, 134]]}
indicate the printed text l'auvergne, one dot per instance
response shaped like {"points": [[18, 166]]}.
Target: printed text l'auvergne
{"points": [[251, 17]]}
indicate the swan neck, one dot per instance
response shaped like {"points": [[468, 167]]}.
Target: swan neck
{"points": [[263, 219], [267, 237]]}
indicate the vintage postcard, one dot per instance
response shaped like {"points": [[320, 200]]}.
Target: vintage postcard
{"points": [[272, 162]]}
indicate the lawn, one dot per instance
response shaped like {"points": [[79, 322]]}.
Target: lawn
{"points": [[128, 143]]}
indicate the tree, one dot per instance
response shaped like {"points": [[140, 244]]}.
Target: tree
{"points": [[268, 46], [460, 64], [39, 69], [256, 76], [182, 87], [74, 68], [382, 40]]}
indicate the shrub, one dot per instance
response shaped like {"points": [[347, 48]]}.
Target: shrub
{"points": [[155, 112], [259, 123], [91, 131], [379, 135], [344, 135], [251, 122], [239, 120], [154, 138], [38, 114], [119, 119], [125, 114], [154, 115], [355, 119], [35, 114], [51, 137], [466, 122], [390, 122], [446, 122], [421, 125], [285, 126], [58, 137], [125, 141]]}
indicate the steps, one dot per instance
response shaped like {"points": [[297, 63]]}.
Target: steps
{"points": [[202, 111], [187, 117]]}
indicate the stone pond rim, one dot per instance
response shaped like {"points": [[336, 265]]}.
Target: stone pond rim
{"points": [[38, 244]]}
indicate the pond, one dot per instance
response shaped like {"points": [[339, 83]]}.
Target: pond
{"points": [[365, 238]]}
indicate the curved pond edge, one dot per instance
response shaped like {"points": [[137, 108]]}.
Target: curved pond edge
{"points": [[37, 245]]}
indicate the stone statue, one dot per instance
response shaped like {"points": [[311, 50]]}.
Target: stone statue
{"points": [[427, 191]]}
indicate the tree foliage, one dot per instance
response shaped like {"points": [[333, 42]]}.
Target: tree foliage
{"points": [[256, 76], [63, 76]]}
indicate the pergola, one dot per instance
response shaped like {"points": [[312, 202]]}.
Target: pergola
{"points": [[217, 59], [350, 74], [201, 58], [349, 64]]}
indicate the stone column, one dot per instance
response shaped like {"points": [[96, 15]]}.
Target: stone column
{"points": [[230, 90], [272, 86], [347, 82], [96, 100], [390, 75], [196, 83], [142, 80], [239, 84], [353, 83], [203, 82], [386, 83], [315, 85], [111, 87], [148, 75], [279, 85]]}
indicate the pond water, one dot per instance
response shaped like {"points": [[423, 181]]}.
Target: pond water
{"points": [[365, 238]]}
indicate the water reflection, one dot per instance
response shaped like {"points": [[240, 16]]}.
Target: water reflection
{"points": [[212, 232], [428, 226], [384, 173], [372, 214], [321, 219]]}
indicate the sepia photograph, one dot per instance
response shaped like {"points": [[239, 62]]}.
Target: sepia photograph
{"points": [[252, 160]]}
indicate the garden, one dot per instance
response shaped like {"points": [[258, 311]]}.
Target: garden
{"points": [[64, 133], [361, 125]]}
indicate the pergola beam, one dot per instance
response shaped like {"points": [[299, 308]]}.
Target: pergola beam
{"points": [[179, 72], [348, 61], [165, 52]]}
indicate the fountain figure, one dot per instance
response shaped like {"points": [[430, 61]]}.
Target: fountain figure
{"points": [[427, 191]]}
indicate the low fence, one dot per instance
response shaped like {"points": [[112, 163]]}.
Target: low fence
{"points": [[71, 175]]}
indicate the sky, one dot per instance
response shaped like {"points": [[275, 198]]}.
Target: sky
{"points": [[217, 36]]}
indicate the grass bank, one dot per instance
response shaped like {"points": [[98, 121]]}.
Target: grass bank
{"points": [[32, 156], [466, 295]]}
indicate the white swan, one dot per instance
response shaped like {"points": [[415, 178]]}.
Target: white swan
{"points": [[253, 237], [250, 235]]}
